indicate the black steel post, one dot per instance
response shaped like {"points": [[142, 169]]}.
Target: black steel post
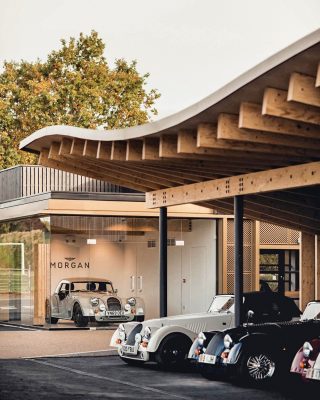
{"points": [[238, 259], [163, 242]]}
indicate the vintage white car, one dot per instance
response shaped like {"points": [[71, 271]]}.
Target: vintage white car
{"points": [[168, 340], [91, 299]]}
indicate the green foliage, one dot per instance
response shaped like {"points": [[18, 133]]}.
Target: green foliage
{"points": [[74, 86]]}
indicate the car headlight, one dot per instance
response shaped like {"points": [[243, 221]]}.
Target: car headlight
{"points": [[147, 333], [132, 301], [102, 307], [127, 307], [227, 341], [201, 338], [138, 338], [94, 301], [307, 349]]}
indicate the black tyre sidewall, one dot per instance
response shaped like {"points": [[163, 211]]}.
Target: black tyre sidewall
{"points": [[182, 341], [79, 320]]}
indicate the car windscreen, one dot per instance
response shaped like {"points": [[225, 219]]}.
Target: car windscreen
{"points": [[92, 286], [221, 303]]}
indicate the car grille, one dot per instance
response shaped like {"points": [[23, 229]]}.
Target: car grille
{"points": [[113, 304], [131, 337]]}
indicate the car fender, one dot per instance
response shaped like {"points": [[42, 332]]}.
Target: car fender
{"points": [[248, 343], [78, 301], [161, 333], [195, 344], [128, 327]]}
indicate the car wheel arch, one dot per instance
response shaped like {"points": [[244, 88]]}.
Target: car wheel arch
{"points": [[164, 332]]}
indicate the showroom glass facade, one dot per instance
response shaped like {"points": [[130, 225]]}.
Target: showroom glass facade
{"points": [[37, 253]]}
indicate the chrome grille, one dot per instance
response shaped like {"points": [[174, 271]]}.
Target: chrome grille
{"points": [[113, 304]]}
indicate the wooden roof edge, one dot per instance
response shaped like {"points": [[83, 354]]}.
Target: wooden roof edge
{"points": [[36, 140]]}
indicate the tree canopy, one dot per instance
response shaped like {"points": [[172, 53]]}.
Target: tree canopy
{"points": [[73, 86]]}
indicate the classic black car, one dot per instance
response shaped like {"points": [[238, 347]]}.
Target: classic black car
{"points": [[267, 307], [256, 353]]}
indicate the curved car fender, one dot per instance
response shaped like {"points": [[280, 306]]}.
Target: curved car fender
{"points": [[128, 327], [208, 335], [161, 333], [77, 301], [250, 342]]}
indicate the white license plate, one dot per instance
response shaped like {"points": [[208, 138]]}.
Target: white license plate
{"points": [[207, 359], [313, 374], [114, 313], [129, 349]]}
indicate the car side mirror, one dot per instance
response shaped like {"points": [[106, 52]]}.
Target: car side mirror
{"points": [[116, 291]]}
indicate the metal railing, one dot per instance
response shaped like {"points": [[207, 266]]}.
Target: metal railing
{"points": [[28, 180]]}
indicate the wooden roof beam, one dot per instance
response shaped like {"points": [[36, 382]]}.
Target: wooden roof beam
{"points": [[318, 76], [250, 153], [104, 150], [275, 104], [250, 117], [253, 183], [134, 150], [118, 150], [302, 89], [277, 144], [90, 148], [77, 147], [227, 207], [150, 148]]}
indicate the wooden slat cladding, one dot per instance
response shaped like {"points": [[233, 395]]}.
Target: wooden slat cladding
{"points": [[23, 181]]}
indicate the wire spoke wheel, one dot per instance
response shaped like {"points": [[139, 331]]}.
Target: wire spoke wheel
{"points": [[260, 367]]}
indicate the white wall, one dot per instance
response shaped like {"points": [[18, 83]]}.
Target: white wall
{"points": [[191, 268]]}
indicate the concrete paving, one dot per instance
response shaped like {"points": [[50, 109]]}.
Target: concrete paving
{"points": [[110, 378], [21, 342]]}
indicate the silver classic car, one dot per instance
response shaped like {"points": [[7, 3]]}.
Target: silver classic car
{"points": [[91, 299]]}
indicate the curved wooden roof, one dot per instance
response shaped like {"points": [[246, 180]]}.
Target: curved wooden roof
{"points": [[262, 130]]}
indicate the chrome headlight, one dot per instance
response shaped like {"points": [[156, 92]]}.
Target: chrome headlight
{"points": [[102, 307], [147, 333], [127, 307], [122, 332], [201, 338], [138, 338], [94, 301], [132, 301], [307, 349], [227, 341]]}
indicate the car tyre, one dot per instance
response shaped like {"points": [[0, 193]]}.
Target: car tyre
{"points": [[173, 352], [79, 319], [257, 368]]}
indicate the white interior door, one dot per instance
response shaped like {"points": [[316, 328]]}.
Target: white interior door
{"points": [[174, 280]]}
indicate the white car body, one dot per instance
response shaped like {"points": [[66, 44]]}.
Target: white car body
{"points": [[96, 298], [188, 325]]}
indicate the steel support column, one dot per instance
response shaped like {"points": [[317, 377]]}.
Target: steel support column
{"points": [[238, 259], [163, 240]]}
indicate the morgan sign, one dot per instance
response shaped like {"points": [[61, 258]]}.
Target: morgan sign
{"points": [[70, 262]]}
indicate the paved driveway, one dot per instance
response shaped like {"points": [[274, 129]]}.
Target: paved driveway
{"points": [[109, 378]]}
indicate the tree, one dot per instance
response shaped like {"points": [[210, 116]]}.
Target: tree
{"points": [[74, 86]]}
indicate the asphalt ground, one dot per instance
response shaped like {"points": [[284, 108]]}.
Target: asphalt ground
{"points": [[110, 378]]}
